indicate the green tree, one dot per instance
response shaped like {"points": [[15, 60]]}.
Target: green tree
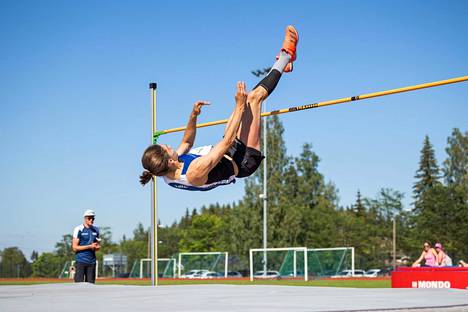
{"points": [[48, 264], [203, 235], [456, 165], [428, 173], [63, 248], [13, 263]]}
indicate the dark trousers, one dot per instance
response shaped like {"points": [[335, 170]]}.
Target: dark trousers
{"points": [[85, 273]]}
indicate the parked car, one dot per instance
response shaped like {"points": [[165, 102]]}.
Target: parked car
{"points": [[267, 275], [349, 273], [209, 274], [372, 273], [193, 274], [234, 274]]}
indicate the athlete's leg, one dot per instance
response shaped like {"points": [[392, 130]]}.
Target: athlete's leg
{"points": [[250, 130], [79, 273]]}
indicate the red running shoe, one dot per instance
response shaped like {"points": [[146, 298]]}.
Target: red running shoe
{"points": [[289, 46]]}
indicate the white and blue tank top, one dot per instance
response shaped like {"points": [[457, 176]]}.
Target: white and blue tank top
{"points": [[222, 174]]}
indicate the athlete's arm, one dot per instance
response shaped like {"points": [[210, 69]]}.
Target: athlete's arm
{"points": [[77, 247], [191, 130], [197, 173]]}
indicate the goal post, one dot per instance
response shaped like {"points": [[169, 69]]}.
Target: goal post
{"points": [[326, 262], [284, 262], [210, 261], [167, 268]]}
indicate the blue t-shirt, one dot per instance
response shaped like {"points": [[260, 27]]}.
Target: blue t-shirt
{"points": [[86, 236]]}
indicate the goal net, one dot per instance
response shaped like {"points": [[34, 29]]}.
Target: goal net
{"points": [[287, 262], [142, 268], [326, 262], [198, 264], [300, 262]]}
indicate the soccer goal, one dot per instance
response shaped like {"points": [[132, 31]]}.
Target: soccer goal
{"points": [[301, 262], [142, 268], [326, 262], [287, 262], [195, 264]]}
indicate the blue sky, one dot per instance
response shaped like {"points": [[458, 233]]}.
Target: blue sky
{"points": [[75, 104]]}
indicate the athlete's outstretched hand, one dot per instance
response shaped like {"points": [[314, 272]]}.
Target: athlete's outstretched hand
{"points": [[241, 95], [197, 107]]}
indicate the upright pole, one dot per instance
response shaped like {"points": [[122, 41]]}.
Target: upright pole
{"points": [[154, 210], [394, 243], [265, 197]]}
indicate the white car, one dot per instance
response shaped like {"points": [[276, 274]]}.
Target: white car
{"points": [[268, 275], [209, 274], [372, 273], [349, 273], [194, 274]]}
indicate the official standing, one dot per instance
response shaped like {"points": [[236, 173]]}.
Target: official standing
{"points": [[85, 244]]}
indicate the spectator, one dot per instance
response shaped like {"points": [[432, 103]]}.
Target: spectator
{"points": [[429, 255], [463, 264], [442, 258], [85, 244]]}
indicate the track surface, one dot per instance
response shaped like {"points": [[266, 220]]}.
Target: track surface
{"points": [[226, 298]]}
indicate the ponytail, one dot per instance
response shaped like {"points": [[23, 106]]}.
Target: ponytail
{"points": [[145, 177]]}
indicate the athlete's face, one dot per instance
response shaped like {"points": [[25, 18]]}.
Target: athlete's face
{"points": [[89, 220], [170, 151]]}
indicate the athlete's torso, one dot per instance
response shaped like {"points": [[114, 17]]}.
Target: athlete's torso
{"points": [[221, 174], [86, 236]]}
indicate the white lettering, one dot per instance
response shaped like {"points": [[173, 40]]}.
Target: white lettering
{"points": [[431, 284]]}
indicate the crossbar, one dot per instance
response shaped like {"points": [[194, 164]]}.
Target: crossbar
{"points": [[326, 103]]}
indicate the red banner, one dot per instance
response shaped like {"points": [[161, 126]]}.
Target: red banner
{"points": [[430, 277]]}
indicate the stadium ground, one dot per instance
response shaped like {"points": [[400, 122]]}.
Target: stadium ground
{"points": [[226, 298], [348, 282]]}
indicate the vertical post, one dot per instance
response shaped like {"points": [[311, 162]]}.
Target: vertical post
{"points": [[394, 243], [154, 211], [295, 266], [180, 263], [251, 265], [352, 261], [226, 263], [260, 73], [265, 197], [306, 265]]}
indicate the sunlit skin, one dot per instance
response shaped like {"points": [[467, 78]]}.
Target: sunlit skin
{"points": [[244, 123]]}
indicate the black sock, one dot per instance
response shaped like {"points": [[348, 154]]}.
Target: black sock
{"points": [[270, 81]]}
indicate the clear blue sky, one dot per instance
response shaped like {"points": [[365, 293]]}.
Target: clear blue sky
{"points": [[75, 104]]}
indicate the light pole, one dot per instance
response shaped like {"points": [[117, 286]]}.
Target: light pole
{"points": [[264, 196]]}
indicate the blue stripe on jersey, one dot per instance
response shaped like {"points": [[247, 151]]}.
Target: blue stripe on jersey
{"points": [[187, 159], [196, 188]]}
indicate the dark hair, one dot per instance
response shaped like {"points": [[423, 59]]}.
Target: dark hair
{"points": [[156, 161]]}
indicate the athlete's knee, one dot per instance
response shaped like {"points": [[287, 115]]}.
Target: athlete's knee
{"points": [[257, 95]]}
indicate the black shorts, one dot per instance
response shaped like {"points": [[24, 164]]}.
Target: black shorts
{"points": [[85, 272], [247, 159]]}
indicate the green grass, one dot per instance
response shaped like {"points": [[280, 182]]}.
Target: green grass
{"points": [[356, 283]]}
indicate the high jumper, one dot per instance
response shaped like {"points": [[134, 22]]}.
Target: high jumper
{"points": [[238, 154]]}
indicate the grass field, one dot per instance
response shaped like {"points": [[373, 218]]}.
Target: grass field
{"points": [[345, 282]]}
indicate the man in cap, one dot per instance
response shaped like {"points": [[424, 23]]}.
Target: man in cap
{"points": [[85, 244]]}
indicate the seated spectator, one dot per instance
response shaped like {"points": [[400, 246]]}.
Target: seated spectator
{"points": [[442, 258], [463, 264], [429, 255]]}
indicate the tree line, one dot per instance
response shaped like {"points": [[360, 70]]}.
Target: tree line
{"points": [[303, 210]]}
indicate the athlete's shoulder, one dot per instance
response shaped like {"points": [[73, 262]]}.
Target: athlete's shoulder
{"points": [[77, 230]]}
